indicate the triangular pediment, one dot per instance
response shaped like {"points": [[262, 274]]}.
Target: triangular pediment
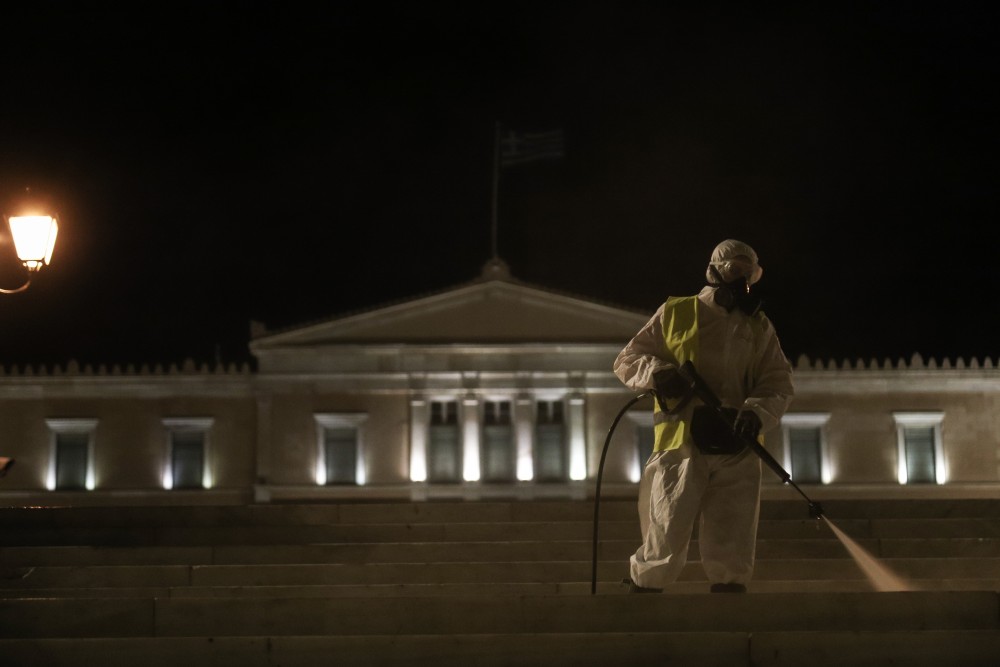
{"points": [[492, 311]]}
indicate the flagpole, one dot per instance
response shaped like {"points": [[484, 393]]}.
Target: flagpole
{"points": [[496, 187]]}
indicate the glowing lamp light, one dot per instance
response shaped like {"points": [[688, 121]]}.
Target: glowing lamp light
{"points": [[34, 235], [34, 239]]}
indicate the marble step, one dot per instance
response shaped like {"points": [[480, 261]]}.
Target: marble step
{"points": [[528, 550], [437, 615], [816, 648], [456, 511], [685, 587], [296, 574], [200, 535]]}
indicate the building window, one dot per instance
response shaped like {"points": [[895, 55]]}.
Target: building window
{"points": [[918, 447], [921, 460], [805, 447], [187, 459], [72, 456], [340, 451], [187, 453], [550, 442], [804, 451], [498, 442], [72, 461], [444, 452], [340, 438]]}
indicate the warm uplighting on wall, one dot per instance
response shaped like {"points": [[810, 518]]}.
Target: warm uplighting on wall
{"points": [[577, 441]]}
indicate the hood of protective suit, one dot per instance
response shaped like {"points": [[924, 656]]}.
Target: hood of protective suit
{"points": [[733, 259]]}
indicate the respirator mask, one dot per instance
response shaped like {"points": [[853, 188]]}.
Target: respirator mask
{"points": [[735, 293]]}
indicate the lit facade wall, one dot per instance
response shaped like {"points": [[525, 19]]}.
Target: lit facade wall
{"points": [[492, 341]]}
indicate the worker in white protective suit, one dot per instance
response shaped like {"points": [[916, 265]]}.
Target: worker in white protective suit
{"points": [[698, 470]]}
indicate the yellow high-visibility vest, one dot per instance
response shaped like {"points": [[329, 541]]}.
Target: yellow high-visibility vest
{"points": [[680, 333]]}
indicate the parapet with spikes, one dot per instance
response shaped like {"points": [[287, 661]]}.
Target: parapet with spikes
{"points": [[74, 368], [190, 367], [915, 363]]}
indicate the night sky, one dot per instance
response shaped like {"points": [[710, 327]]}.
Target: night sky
{"points": [[221, 162]]}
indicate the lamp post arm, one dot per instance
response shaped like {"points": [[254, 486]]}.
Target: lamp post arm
{"points": [[16, 289]]}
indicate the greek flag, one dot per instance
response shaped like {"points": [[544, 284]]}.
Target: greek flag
{"points": [[520, 147]]}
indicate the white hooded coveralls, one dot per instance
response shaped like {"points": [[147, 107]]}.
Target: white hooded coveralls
{"points": [[744, 365]]}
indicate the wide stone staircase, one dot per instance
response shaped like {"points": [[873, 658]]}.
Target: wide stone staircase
{"points": [[486, 583]]}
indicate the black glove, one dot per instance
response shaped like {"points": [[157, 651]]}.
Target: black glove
{"points": [[747, 425], [668, 383]]}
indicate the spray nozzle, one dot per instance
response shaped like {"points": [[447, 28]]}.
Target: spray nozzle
{"points": [[815, 511]]}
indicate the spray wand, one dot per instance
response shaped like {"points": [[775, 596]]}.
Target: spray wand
{"points": [[702, 391]]}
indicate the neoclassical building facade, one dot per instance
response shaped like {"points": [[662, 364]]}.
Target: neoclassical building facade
{"points": [[490, 389]]}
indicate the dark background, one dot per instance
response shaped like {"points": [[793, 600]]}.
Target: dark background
{"points": [[222, 162]]}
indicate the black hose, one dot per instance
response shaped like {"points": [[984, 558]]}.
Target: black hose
{"points": [[597, 491]]}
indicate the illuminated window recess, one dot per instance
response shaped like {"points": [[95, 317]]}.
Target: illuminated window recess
{"points": [[920, 419]]}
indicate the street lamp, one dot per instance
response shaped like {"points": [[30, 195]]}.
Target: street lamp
{"points": [[34, 239]]}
